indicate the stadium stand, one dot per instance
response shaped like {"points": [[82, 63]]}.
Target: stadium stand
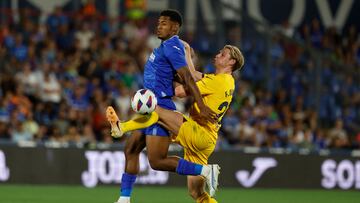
{"points": [[299, 87]]}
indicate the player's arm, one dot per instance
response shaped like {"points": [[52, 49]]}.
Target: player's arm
{"points": [[188, 51], [179, 90], [190, 86], [206, 86], [176, 56]]}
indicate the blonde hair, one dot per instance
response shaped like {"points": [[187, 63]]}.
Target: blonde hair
{"points": [[236, 54]]}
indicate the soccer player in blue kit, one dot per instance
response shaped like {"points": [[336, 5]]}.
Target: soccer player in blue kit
{"points": [[163, 64]]}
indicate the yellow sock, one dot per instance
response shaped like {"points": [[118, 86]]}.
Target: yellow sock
{"points": [[205, 198], [139, 122]]}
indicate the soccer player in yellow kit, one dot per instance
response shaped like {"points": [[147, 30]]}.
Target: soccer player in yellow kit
{"points": [[198, 138]]}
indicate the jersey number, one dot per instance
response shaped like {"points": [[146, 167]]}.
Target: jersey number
{"points": [[223, 107]]}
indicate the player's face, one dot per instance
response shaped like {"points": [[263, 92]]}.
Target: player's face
{"points": [[223, 58], [165, 28]]}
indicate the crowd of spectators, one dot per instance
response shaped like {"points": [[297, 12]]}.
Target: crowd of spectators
{"points": [[302, 91], [58, 76]]}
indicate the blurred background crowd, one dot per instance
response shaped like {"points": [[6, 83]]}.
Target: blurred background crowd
{"points": [[299, 88]]}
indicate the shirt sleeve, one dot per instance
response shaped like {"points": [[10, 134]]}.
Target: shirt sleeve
{"points": [[206, 85], [175, 53]]}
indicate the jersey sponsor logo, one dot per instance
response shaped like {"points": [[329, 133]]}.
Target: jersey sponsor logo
{"points": [[345, 174], [152, 57], [4, 170], [229, 93], [261, 164], [107, 167]]}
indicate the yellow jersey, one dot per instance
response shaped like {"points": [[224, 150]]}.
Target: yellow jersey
{"points": [[217, 92]]}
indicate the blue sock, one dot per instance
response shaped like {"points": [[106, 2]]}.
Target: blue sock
{"points": [[127, 183], [188, 168]]}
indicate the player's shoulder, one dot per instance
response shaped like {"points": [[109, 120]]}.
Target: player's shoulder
{"points": [[174, 41], [208, 79], [223, 80], [226, 77]]}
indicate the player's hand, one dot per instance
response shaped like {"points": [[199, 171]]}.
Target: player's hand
{"points": [[207, 115]]}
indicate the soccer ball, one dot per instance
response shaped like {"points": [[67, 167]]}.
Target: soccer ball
{"points": [[144, 101]]}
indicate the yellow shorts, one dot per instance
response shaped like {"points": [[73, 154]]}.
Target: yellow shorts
{"points": [[198, 142]]}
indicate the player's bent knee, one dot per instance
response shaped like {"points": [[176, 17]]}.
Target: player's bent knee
{"points": [[129, 151], [162, 164], [155, 164], [133, 149], [194, 194]]}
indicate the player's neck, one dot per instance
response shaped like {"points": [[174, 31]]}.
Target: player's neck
{"points": [[163, 40], [223, 71]]}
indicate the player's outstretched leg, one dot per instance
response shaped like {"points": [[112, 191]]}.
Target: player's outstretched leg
{"points": [[211, 174], [138, 122], [114, 121]]}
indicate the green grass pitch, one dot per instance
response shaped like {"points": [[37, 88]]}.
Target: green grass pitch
{"points": [[108, 194]]}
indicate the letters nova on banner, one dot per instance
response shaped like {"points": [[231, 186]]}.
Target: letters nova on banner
{"points": [[107, 167], [4, 170]]}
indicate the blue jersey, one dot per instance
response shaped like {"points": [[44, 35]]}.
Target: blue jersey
{"points": [[159, 73], [161, 67]]}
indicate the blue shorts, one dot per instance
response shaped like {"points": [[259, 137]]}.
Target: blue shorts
{"points": [[157, 129]]}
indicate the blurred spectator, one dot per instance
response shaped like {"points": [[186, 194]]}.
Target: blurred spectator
{"points": [[20, 102], [315, 33], [123, 102], [5, 109], [20, 50], [56, 136], [19, 134], [61, 123], [338, 136], [89, 9], [307, 143], [231, 127], [27, 79], [84, 35], [287, 29], [49, 87], [30, 125], [78, 98], [43, 134], [73, 136], [357, 141], [56, 19], [298, 136], [88, 136], [65, 38], [4, 131], [320, 141]]}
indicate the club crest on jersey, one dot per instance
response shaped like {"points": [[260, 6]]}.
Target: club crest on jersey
{"points": [[152, 57]]}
